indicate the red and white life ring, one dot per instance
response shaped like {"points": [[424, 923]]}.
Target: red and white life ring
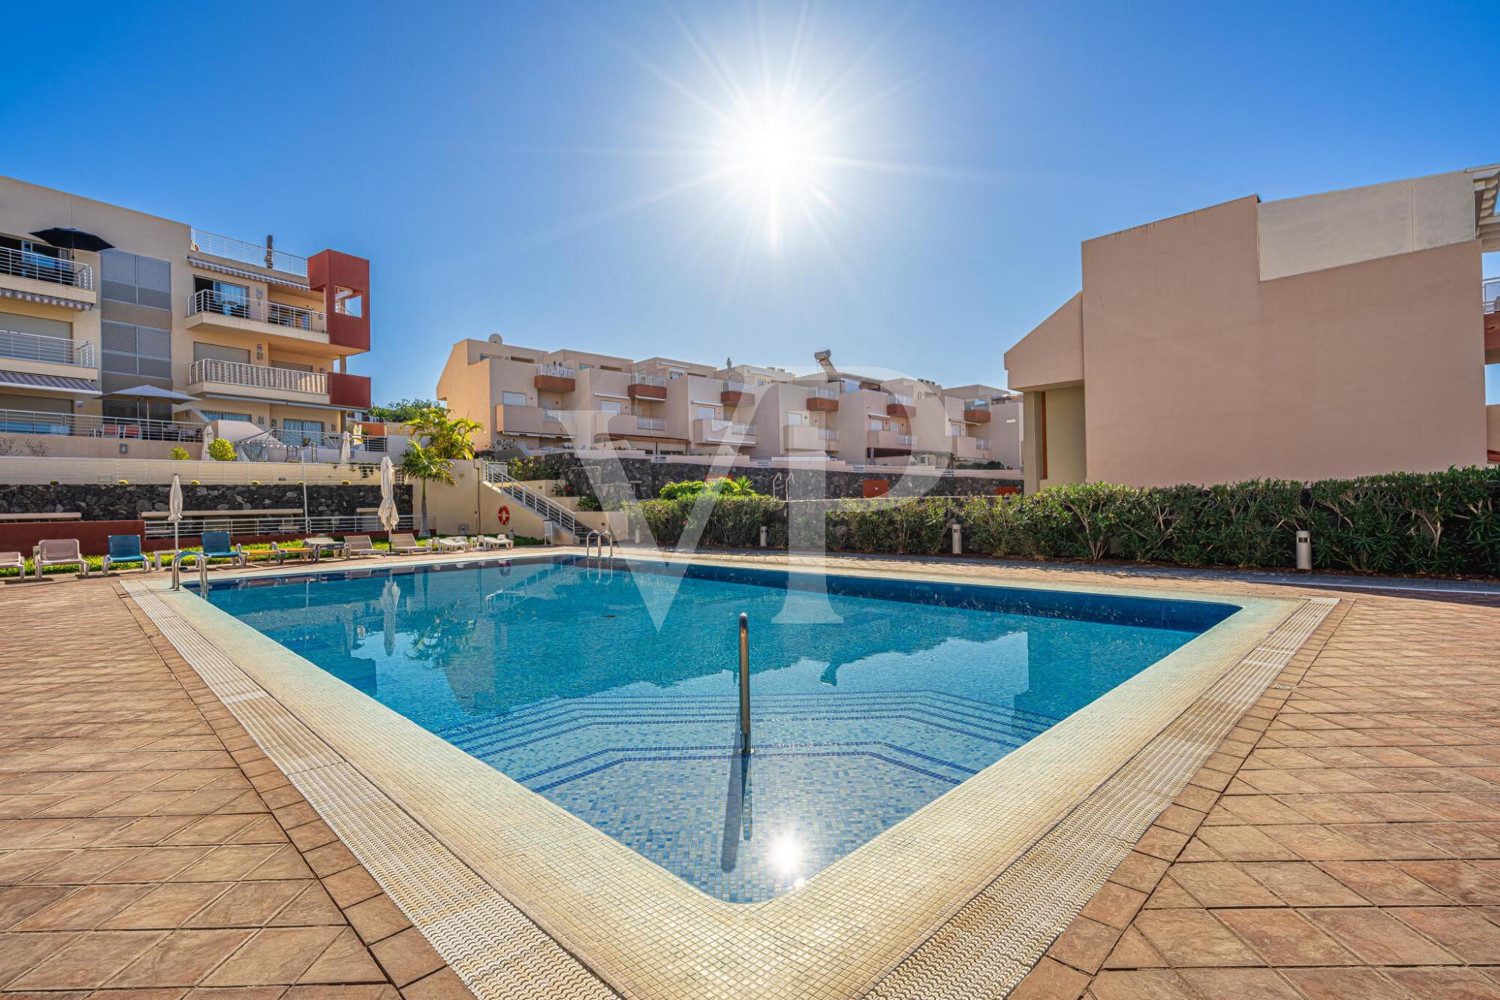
{"points": [[503, 514]]}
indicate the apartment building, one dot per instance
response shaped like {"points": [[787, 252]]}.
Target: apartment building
{"points": [[1338, 334], [122, 333], [574, 400]]}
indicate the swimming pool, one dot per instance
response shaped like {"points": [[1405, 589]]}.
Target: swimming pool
{"points": [[613, 693]]}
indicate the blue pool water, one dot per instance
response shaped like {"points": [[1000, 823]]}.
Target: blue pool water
{"points": [[869, 701]]}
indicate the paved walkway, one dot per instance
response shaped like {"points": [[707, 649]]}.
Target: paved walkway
{"points": [[148, 849], [1345, 842]]}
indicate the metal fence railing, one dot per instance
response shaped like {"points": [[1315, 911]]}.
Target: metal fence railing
{"points": [[248, 253], [56, 350], [543, 506], [35, 470], [41, 267], [250, 523], [260, 310], [87, 425]]}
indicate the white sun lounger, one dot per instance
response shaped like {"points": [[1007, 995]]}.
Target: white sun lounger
{"points": [[58, 552], [405, 543], [360, 545]]}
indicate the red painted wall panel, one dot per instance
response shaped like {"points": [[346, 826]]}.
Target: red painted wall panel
{"points": [[352, 391], [329, 271], [93, 536]]}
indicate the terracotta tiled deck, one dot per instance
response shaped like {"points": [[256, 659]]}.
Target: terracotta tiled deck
{"points": [[1345, 841], [148, 850]]}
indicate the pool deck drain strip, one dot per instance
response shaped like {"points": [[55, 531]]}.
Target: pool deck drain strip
{"points": [[500, 935]]}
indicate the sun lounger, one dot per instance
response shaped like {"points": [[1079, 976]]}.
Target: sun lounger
{"points": [[496, 542], [216, 545], [450, 544], [125, 550], [404, 543], [360, 545], [58, 552]]}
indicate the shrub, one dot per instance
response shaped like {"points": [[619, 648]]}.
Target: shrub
{"points": [[221, 450], [589, 502], [1408, 523], [180, 454], [532, 468], [725, 487]]}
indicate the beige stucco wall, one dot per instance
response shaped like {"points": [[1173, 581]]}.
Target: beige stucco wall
{"points": [[1197, 371], [1319, 231], [1051, 354]]}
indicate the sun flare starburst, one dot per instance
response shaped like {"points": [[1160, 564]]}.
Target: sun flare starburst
{"points": [[777, 165]]}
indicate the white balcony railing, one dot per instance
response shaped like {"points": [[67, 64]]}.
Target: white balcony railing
{"points": [[261, 311], [736, 386], [903, 439], [248, 253], [557, 416], [258, 377], [1491, 292], [656, 380], [983, 444], [896, 397], [723, 430], [651, 423], [40, 267], [556, 370], [57, 350], [976, 404], [823, 392]]}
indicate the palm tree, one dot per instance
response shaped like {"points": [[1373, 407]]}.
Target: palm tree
{"points": [[448, 437], [443, 440], [425, 465]]}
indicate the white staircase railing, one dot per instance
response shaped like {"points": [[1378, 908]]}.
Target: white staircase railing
{"points": [[542, 506]]}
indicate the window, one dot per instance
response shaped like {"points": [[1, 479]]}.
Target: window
{"points": [[795, 419], [307, 428], [610, 406], [136, 350], [349, 302], [708, 413], [223, 415], [513, 398], [877, 425], [143, 281], [214, 352], [292, 366]]}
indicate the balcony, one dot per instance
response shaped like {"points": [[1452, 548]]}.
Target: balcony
{"points": [[722, 432], [37, 277], [275, 384], [1491, 297], [242, 252], [901, 406], [970, 449], [555, 378], [84, 425], [34, 354], [735, 393], [647, 387], [888, 442], [529, 421], [624, 425], [805, 437], [275, 321], [977, 411], [823, 400]]}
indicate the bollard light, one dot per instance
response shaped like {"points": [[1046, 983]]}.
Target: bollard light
{"points": [[1304, 551]]}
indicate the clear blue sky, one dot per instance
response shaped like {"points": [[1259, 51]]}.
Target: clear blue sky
{"points": [[576, 174]]}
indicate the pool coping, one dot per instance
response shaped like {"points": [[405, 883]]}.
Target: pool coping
{"points": [[576, 893]]}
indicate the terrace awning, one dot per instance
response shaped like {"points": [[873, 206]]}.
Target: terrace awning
{"points": [[209, 265], [48, 300], [55, 383]]}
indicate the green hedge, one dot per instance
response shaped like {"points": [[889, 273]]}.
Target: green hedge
{"points": [[1444, 523]]}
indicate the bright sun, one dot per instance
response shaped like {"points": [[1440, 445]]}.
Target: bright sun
{"points": [[776, 164]]}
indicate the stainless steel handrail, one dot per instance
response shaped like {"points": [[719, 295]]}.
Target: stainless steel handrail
{"points": [[202, 571], [744, 683]]}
